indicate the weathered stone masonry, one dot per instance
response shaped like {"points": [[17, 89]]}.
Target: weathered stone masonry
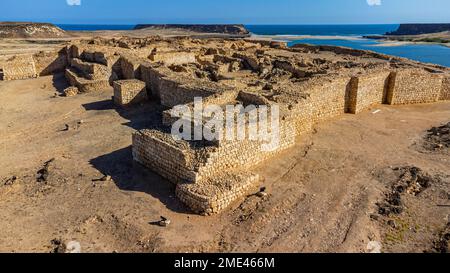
{"points": [[127, 92], [308, 88]]}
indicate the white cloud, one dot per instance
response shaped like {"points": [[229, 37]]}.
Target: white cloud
{"points": [[73, 2], [374, 2]]}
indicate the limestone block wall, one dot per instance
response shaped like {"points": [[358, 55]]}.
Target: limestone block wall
{"points": [[410, 86], [232, 155], [130, 67], [91, 71], [328, 98], [445, 92], [173, 57], [100, 56], [169, 158], [223, 98], [172, 92], [19, 68], [74, 51], [128, 92], [301, 116], [48, 63], [199, 174], [213, 196], [168, 87], [84, 85], [152, 76], [366, 90]]}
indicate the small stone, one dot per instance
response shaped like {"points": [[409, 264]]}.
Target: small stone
{"points": [[103, 179], [392, 224], [164, 222], [374, 247], [73, 247], [10, 181], [71, 91], [262, 194]]}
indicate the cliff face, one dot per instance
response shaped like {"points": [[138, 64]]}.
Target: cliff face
{"points": [[30, 30], [417, 29], [222, 29]]}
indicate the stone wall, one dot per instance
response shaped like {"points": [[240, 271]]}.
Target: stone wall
{"points": [[48, 63], [152, 75], [91, 71], [224, 98], [127, 92], [199, 172], [173, 57], [410, 86], [169, 158], [84, 85], [328, 98], [215, 195], [365, 91], [245, 154], [19, 67], [173, 92], [445, 93], [130, 66]]}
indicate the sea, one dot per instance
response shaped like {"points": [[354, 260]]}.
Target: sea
{"points": [[336, 35]]}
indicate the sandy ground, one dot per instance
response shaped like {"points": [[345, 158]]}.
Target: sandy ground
{"points": [[322, 193]]}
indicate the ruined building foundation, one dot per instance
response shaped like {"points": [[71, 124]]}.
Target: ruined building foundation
{"points": [[309, 84]]}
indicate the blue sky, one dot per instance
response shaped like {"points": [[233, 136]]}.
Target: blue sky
{"points": [[227, 11]]}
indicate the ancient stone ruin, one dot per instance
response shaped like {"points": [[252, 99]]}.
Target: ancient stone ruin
{"points": [[310, 84]]}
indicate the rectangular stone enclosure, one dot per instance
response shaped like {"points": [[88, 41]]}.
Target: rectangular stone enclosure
{"points": [[127, 92]]}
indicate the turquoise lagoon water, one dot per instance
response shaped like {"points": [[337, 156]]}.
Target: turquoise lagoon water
{"points": [[430, 53], [435, 54]]}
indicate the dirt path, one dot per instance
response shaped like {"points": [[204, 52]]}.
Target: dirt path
{"points": [[322, 193]]}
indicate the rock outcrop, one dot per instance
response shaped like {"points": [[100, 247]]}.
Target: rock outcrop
{"points": [[30, 30], [222, 29], [417, 29]]}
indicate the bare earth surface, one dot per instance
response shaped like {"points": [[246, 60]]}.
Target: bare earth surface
{"points": [[323, 192]]}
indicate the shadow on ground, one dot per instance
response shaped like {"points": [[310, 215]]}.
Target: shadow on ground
{"points": [[146, 115], [129, 175], [60, 83]]}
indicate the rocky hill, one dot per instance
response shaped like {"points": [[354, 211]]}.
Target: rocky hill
{"points": [[30, 30], [417, 29], [221, 29]]}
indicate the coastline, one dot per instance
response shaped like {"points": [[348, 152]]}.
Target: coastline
{"points": [[390, 43], [289, 38], [379, 42]]}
